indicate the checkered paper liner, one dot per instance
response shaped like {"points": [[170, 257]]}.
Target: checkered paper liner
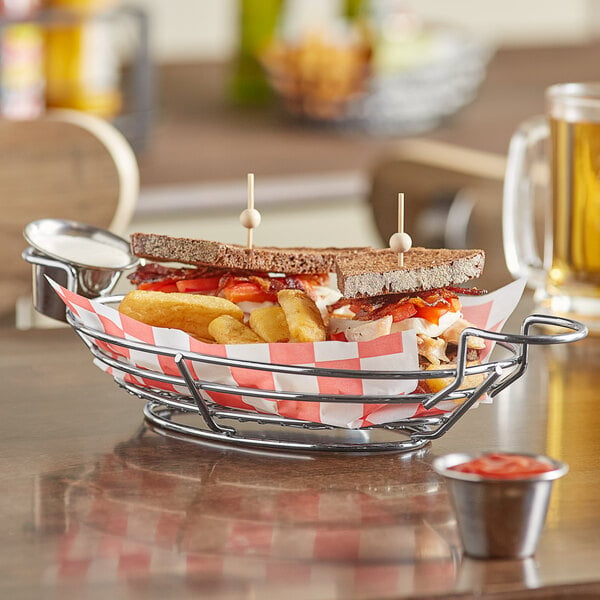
{"points": [[396, 352]]}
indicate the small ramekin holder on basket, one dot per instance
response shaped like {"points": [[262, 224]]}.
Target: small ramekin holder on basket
{"points": [[76, 273]]}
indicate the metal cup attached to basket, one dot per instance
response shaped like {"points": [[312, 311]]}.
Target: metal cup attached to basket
{"points": [[84, 259]]}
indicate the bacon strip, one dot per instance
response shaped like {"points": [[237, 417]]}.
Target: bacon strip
{"points": [[153, 272], [472, 291], [367, 309]]}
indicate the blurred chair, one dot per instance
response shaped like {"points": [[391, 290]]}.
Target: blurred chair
{"points": [[66, 165], [453, 199]]}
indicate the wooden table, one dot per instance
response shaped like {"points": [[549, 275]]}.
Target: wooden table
{"points": [[95, 505]]}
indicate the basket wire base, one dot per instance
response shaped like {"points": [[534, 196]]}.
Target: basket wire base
{"points": [[263, 435]]}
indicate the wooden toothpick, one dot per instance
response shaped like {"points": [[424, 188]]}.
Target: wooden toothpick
{"points": [[400, 225], [250, 207], [400, 242], [250, 218]]}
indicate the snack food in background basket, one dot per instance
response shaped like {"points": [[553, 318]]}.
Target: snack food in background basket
{"points": [[318, 77], [387, 72]]}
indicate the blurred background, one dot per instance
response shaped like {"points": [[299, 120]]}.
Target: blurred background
{"points": [[336, 106]]}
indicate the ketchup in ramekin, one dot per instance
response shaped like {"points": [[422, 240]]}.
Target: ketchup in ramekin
{"points": [[500, 465]]}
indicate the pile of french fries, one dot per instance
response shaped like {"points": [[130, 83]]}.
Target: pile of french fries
{"points": [[295, 318]]}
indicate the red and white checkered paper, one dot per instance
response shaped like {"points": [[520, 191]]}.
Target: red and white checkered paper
{"points": [[395, 352]]}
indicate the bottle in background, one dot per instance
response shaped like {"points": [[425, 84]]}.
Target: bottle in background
{"points": [[82, 68], [258, 21], [21, 61]]}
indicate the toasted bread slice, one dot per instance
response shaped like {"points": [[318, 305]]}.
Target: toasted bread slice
{"points": [[377, 272], [163, 248]]}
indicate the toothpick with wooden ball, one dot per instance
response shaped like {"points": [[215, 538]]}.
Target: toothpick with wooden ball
{"points": [[250, 217], [400, 242]]}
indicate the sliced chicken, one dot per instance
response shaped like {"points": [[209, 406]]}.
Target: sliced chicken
{"points": [[369, 330], [452, 335], [433, 349]]}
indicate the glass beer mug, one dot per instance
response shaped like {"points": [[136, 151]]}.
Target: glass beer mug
{"points": [[567, 275]]}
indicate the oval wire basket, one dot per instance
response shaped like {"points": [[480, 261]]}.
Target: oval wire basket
{"points": [[192, 417]]}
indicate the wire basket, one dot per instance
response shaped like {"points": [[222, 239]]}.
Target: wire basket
{"points": [[192, 417]]}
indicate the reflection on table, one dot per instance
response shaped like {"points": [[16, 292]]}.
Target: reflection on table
{"points": [[149, 507]]}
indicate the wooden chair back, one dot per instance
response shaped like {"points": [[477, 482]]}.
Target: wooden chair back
{"points": [[67, 165]]}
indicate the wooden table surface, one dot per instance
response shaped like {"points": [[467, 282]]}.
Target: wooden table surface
{"points": [[96, 505]]}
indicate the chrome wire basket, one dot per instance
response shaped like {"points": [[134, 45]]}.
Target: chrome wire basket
{"points": [[192, 417]]}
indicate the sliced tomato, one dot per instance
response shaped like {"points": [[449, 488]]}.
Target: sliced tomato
{"points": [[312, 279], [166, 285], [435, 312], [200, 284], [431, 313], [504, 466], [248, 291], [340, 336]]}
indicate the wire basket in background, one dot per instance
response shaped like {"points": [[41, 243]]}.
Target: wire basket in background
{"points": [[399, 88]]}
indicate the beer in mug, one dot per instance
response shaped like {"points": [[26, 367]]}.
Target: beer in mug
{"points": [[566, 276]]}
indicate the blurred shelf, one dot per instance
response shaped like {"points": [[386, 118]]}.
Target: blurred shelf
{"points": [[136, 70], [198, 136]]}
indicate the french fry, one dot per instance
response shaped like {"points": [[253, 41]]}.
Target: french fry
{"points": [[270, 324], [205, 340], [302, 315], [191, 313], [228, 330], [470, 381]]}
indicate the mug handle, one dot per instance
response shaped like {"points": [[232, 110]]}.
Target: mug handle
{"points": [[518, 206]]}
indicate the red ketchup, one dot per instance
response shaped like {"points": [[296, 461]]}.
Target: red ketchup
{"points": [[498, 465]]}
